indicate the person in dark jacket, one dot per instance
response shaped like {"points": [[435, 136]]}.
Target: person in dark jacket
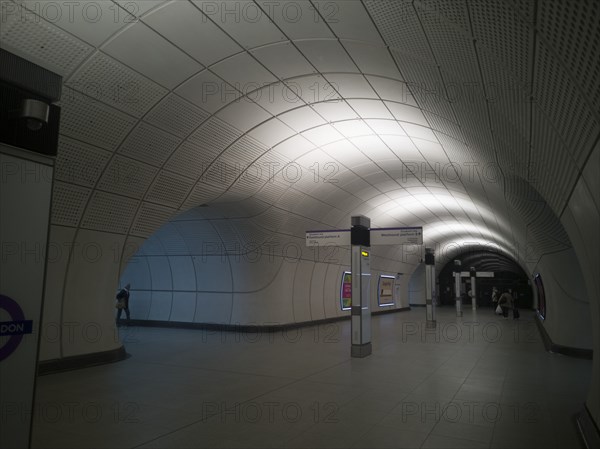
{"points": [[123, 303], [515, 309], [506, 302]]}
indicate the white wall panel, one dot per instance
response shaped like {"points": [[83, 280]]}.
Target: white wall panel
{"points": [[57, 264], [160, 270], [270, 305], [160, 307], [137, 273], [331, 291], [253, 271], [416, 286], [213, 308], [317, 283], [184, 307], [140, 303], [89, 300], [301, 292], [184, 275], [566, 300], [213, 273]]}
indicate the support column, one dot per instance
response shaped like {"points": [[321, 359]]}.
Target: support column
{"points": [[430, 287], [473, 274], [398, 289], [360, 239], [457, 271]]}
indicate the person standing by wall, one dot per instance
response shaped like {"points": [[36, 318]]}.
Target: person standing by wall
{"points": [[123, 303]]}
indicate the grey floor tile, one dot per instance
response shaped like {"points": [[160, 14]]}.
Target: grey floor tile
{"points": [[443, 442], [389, 437], [471, 432], [192, 389]]}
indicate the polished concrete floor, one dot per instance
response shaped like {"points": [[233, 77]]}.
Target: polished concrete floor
{"points": [[477, 381]]}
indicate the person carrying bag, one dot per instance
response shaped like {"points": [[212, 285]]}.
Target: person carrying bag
{"points": [[123, 303]]}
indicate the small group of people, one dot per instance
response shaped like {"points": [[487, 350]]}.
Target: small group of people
{"points": [[505, 302]]}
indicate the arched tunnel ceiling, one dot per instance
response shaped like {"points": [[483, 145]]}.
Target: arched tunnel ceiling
{"points": [[488, 261], [414, 113]]}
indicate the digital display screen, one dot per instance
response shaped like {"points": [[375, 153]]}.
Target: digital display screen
{"points": [[346, 291], [385, 291]]}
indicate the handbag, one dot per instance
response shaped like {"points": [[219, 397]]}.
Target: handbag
{"points": [[498, 310], [120, 305]]}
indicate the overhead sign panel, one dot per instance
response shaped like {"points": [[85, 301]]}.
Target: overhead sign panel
{"points": [[339, 237], [397, 236], [480, 274], [379, 236]]}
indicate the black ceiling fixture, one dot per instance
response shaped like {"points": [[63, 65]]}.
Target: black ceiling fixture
{"points": [[28, 117]]}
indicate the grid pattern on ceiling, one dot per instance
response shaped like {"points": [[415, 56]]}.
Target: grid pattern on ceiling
{"points": [[188, 160], [565, 108], [399, 25], [573, 34], [29, 36], [106, 79], [68, 203], [126, 176], [544, 232], [79, 163], [202, 193], [150, 144], [172, 241], [176, 115], [109, 213], [149, 219], [429, 42], [498, 29], [89, 120], [169, 189], [551, 165]]}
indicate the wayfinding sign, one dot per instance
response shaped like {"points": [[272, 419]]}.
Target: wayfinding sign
{"points": [[397, 236], [379, 236], [339, 237]]}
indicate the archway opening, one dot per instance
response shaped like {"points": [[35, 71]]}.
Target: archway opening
{"points": [[507, 274]]}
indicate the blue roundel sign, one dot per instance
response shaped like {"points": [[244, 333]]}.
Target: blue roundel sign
{"points": [[14, 329]]}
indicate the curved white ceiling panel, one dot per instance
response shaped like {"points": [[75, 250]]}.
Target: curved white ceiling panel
{"points": [[321, 108]]}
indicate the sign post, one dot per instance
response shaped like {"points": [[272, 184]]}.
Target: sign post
{"points": [[361, 278], [473, 274], [457, 296], [430, 287], [360, 237]]}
